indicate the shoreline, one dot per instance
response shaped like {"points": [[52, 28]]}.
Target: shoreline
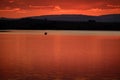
{"points": [[62, 32]]}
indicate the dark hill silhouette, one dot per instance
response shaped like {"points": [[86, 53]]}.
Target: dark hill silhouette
{"points": [[65, 17], [63, 22]]}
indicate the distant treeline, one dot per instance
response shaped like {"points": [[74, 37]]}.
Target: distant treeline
{"points": [[44, 24]]}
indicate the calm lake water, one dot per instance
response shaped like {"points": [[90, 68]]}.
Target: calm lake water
{"points": [[59, 55]]}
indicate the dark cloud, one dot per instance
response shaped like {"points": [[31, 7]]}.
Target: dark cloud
{"points": [[88, 4], [64, 4], [23, 3]]}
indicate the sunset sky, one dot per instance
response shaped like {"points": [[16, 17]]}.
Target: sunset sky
{"points": [[22, 8]]}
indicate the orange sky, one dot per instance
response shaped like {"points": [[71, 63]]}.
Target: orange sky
{"points": [[22, 8]]}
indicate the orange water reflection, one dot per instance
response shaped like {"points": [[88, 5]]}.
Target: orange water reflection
{"points": [[59, 54]]}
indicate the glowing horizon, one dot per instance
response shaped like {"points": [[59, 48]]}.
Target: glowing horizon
{"points": [[22, 8]]}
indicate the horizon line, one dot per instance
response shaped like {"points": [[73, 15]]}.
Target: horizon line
{"points": [[56, 15]]}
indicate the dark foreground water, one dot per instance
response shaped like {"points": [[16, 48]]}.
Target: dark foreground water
{"points": [[59, 55]]}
